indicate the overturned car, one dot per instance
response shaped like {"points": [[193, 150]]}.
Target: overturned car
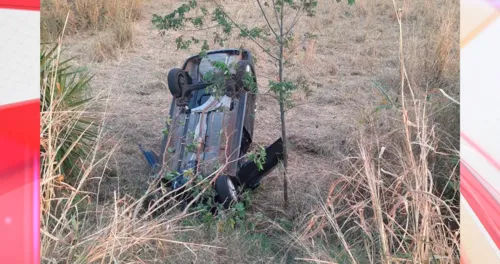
{"points": [[211, 125]]}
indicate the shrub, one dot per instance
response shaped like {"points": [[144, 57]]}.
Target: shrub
{"points": [[67, 131]]}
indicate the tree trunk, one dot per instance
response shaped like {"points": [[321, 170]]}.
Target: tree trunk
{"points": [[282, 115], [285, 153]]}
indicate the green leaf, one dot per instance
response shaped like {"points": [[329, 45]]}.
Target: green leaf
{"points": [[259, 157], [197, 22], [181, 44], [204, 10], [204, 48], [254, 33], [195, 40], [282, 88], [220, 17], [249, 81]]}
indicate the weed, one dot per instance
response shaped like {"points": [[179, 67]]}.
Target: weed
{"points": [[64, 98]]}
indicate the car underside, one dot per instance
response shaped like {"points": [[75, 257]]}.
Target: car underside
{"points": [[211, 124]]}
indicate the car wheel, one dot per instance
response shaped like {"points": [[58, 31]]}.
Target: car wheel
{"points": [[226, 191], [242, 67], [176, 78]]}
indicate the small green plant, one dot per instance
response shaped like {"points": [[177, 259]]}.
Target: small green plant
{"points": [[171, 175], [193, 146], [224, 219], [259, 157], [217, 77], [249, 81], [230, 219], [63, 101]]}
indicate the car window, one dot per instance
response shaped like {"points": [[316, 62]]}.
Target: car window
{"points": [[206, 63]]}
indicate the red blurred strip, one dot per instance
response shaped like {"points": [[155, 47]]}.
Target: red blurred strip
{"points": [[17, 221], [36, 209], [8, 174], [18, 197], [481, 151], [20, 4], [491, 190], [19, 182], [20, 124], [486, 208]]}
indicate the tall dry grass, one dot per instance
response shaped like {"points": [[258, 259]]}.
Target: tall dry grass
{"points": [[391, 204], [86, 15], [112, 20]]}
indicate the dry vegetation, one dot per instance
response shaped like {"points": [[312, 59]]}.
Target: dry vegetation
{"points": [[112, 20], [373, 164]]}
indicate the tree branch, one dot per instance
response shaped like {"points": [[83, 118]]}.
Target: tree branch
{"points": [[276, 14], [265, 17], [201, 29], [295, 19], [238, 26], [268, 93]]}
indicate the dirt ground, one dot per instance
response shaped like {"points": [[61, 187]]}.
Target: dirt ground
{"points": [[355, 47]]}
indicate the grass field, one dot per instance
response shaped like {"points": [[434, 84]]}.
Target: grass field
{"points": [[373, 174]]}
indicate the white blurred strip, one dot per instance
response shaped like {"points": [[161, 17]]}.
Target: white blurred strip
{"points": [[472, 14], [480, 92], [19, 55]]}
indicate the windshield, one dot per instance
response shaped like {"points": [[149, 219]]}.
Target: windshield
{"points": [[207, 63]]}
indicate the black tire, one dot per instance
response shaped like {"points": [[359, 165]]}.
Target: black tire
{"points": [[226, 191], [176, 78], [241, 69]]}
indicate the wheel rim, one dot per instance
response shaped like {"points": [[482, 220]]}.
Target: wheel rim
{"points": [[181, 79]]}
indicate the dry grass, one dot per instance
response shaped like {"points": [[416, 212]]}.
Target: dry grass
{"points": [[112, 20], [381, 174], [86, 15], [389, 201], [110, 44]]}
